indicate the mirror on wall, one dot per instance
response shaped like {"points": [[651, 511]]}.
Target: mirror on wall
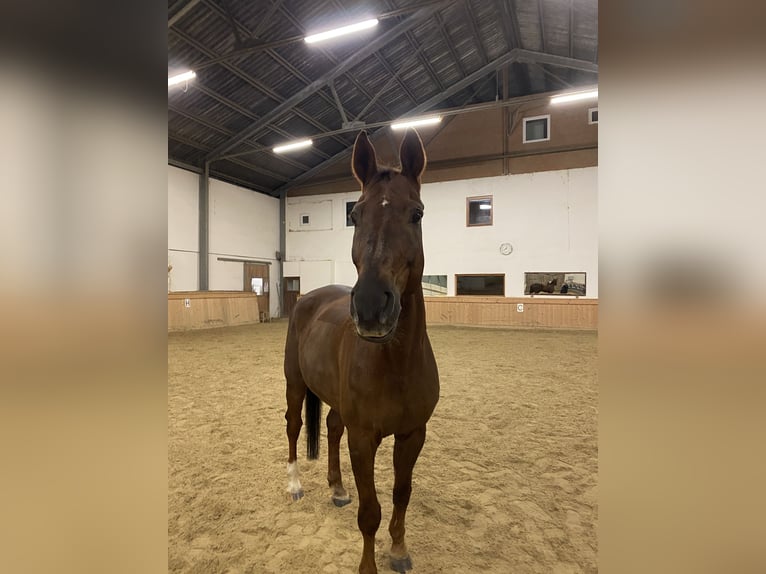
{"points": [[554, 283]]}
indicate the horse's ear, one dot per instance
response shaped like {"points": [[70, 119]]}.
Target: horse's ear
{"points": [[412, 155], [363, 162]]}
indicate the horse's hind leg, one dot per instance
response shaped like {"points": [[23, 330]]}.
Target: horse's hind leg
{"points": [[295, 393], [406, 451], [334, 433]]}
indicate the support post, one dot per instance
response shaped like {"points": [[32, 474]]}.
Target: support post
{"points": [[282, 248], [506, 119], [204, 219]]}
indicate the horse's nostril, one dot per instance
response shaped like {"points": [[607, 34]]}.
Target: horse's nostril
{"points": [[388, 307]]}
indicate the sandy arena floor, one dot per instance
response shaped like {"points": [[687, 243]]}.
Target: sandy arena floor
{"points": [[506, 482]]}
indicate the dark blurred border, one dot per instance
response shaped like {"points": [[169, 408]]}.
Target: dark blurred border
{"points": [[83, 234]]}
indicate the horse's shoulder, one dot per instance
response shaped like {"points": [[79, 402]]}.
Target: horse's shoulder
{"points": [[327, 304]]}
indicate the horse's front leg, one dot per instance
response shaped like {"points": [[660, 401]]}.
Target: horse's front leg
{"points": [[334, 433], [362, 447], [406, 451]]}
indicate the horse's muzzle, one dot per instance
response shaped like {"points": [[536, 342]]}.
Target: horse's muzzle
{"points": [[375, 311]]}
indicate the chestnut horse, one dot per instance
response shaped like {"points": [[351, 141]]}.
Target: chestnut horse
{"points": [[365, 351]]}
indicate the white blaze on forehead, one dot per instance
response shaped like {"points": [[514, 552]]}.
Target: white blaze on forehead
{"points": [[385, 202]]}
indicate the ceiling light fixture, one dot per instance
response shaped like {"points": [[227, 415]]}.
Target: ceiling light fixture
{"points": [[417, 122], [574, 97], [185, 77], [291, 146], [341, 31]]}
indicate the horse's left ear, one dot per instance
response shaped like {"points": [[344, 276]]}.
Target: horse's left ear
{"points": [[412, 155]]}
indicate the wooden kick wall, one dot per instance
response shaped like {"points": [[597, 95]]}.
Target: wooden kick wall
{"points": [[538, 312], [211, 309]]}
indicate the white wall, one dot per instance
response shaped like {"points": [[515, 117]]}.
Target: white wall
{"points": [[320, 252], [243, 224], [550, 218], [183, 229]]}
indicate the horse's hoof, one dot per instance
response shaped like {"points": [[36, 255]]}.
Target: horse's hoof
{"points": [[297, 495], [401, 565], [341, 502]]}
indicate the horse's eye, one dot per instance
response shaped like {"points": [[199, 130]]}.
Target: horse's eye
{"points": [[417, 216]]}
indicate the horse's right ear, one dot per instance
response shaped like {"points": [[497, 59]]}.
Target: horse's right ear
{"points": [[363, 162]]}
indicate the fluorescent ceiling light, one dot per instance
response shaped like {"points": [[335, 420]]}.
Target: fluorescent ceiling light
{"points": [[172, 81], [341, 31], [292, 146], [413, 123], [484, 206], [574, 97]]}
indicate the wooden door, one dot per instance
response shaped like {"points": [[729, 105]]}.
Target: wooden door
{"points": [[291, 288], [257, 281]]}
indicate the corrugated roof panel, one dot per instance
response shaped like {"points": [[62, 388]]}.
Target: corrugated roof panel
{"points": [[487, 19], [198, 103], [184, 153], [529, 25]]}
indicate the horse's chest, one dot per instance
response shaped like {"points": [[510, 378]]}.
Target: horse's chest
{"points": [[388, 402]]}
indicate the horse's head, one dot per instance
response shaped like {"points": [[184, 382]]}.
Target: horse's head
{"points": [[388, 245]]}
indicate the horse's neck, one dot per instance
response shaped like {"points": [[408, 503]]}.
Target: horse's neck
{"points": [[412, 320]]}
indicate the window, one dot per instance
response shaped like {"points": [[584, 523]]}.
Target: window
{"points": [[349, 206], [293, 284], [593, 116], [304, 219], [434, 285], [554, 283], [537, 129], [480, 285], [478, 211]]}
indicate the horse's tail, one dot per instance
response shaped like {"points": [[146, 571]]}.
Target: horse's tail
{"points": [[313, 418]]}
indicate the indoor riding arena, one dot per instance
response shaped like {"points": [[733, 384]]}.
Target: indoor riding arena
{"points": [[440, 159]]}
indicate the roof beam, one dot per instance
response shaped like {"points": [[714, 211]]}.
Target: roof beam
{"points": [[275, 5], [257, 169], [429, 103], [421, 56], [319, 83], [404, 66], [246, 78], [571, 28], [553, 60], [237, 108], [541, 17], [510, 27], [274, 56], [506, 58], [228, 133], [182, 12], [450, 44], [218, 175], [386, 112], [475, 31], [383, 62], [559, 79]]}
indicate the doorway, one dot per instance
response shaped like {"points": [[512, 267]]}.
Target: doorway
{"points": [[257, 281], [292, 290]]}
